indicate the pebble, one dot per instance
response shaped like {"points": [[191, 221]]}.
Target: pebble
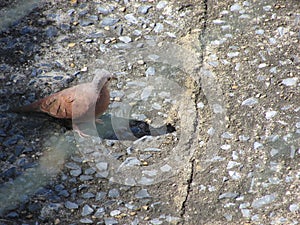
{"points": [[270, 114], [161, 4], [87, 210], [86, 221], [115, 213], [100, 196], [71, 205], [159, 27], [100, 213], [143, 193], [250, 101], [228, 195], [86, 177], [144, 9], [235, 7], [110, 221], [75, 173], [108, 21], [114, 193], [102, 166], [131, 18], [257, 145], [260, 202], [290, 81], [150, 71], [165, 168], [294, 207], [125, 39], [104, 10]]}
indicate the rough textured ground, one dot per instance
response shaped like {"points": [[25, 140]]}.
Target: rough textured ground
{"points": [[225, 75]]}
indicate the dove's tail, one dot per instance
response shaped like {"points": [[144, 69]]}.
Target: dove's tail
{"points": [[33, 107]]}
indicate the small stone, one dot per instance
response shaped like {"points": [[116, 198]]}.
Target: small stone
{"points": [[88, 195], [75, 173], [86, 22], [143, 193], [165, 168], [232, 164], [114, 193], [110, 221], [102, 166], [246, 213], [225, 147], [260, 202], [257, 145], [100, 195], [103, 10], [232, 54], [228, 195], [100, 213], [108, 21], [260, 31], [86, 221], [144, 9], [159, 27], [131, 18], [150, 71], [294, 207], [235, 7], [290, 81], [161, 4], [86, 177], [71, 205], [87, 210], [227, 135], [115, 213], [234, 175], [250, 101], [125, 39], [270, 114]]}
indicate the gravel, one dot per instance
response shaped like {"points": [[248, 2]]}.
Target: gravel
{"points": [[212, 93]]}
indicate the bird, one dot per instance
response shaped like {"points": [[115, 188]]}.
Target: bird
{"points": [[81, 103]]}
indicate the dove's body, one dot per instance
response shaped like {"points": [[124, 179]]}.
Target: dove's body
{"points": [[81, 103]]}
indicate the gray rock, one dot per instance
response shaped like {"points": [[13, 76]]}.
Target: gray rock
{"points": [[108, 21], [100, 213], [102, 166], [86, 221], [75, 173], [162, 4], [88, 195], [100, 196], [143, 9], [110, 221], [150, 71], [143, 193], [131, 18], [87, 210], [71, 205], [290, 81], [250, 101], [125, 39], [159, 27], [228, 195], [114, 193], [260, 202]]}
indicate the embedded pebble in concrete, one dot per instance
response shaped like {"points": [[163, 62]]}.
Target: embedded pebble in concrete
{"points": [[267, 199], [87, 210], [143, 193]]}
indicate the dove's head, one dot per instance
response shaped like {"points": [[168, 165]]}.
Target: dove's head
{"points": [[101, 78]]}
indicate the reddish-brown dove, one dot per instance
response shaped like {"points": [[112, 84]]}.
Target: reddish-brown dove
{"points": [[81, 103]]}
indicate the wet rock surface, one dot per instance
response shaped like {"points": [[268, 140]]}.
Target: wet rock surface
{"points": [[203, 125]]}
